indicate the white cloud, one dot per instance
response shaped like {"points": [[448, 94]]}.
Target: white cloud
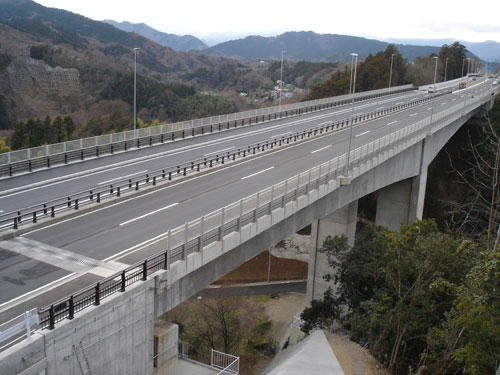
{"points": [[382, 19]]}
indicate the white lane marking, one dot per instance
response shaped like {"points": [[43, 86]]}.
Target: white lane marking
{"points": [[453, 99], [38, 289], [122, 178], [218, 152], [392, 122], [413, 114], [429, 109], [255, 174], [281, 135], [359, 135], [149, 214], [321, 149], [443, 103]]}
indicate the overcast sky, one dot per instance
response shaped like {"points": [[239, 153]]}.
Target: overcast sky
{"points": [[225, 19]]}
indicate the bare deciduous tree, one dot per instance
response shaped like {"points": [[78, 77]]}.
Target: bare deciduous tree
{"points": [[479, 214]]}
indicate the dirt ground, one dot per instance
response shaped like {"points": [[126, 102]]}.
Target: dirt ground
{"points": [[354, 359], [280, 311], [256, 270]]}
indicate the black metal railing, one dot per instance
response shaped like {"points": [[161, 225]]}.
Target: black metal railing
{"points": [[47, 161], [49, 209]]}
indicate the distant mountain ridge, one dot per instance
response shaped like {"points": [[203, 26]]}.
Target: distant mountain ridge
{"points": [[488, 50], [310, 46], [176, 42]]}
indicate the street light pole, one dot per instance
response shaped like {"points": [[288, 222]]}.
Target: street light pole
{"points": [[135, 91], [434, 89], [354, 62], [466, 83], [445, 69], [390, 75], [463, 64], [281, 76]]}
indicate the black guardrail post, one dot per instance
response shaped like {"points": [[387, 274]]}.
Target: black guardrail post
{"points": [[52, 317], [71, 311], [97, 292], [122, 286], [145, 270]]}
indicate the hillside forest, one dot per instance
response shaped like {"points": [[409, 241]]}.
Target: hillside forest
{"points": [[425, 300], [160, 102]]}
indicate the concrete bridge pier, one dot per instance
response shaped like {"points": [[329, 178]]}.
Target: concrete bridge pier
{"points": [[341, 221], [401, 202]]}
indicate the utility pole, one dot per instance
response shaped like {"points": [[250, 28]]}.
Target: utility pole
{"points": [[135, 91]]}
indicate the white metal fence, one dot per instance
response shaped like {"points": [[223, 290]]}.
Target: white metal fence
{"points": [[226, 363], [18, 328], [107, 139]]}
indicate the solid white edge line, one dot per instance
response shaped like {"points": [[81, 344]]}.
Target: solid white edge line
{"points": [[122, 178], [37, 289], [218, 152], [280, 135], [255, 174], [149, 214], [151, 241]]}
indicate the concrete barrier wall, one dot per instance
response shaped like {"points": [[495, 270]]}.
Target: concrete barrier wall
{"points": [[113, 338]]}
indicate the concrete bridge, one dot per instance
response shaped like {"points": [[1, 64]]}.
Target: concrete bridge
{"points": [[249, 204]]}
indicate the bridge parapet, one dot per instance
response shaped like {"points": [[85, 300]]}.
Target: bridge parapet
{"points": [[80, 149]]}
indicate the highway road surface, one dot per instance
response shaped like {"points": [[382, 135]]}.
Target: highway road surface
{"points": [[51, 262]]}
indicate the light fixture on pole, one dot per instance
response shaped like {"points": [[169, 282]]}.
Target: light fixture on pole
{"points": [[390, 74], [434, 89], [354, 63], [135, 90], [445, 69], [466, 84], [281, 76]]}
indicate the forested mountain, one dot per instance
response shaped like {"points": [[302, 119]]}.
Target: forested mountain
{"points": [[176, 42], [54, 62], [309, 46], [488, 50]]}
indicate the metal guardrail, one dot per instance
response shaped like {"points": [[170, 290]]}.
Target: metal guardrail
{"points": [[183, 349], [49, 209], [45, 156], [226, 363], [193, 236], [19, 328]]}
